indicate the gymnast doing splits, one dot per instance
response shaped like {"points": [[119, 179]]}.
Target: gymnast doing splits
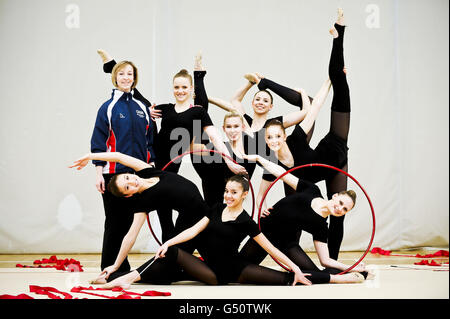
{"points": [[219, 234], [294, 150], [149, 189]]}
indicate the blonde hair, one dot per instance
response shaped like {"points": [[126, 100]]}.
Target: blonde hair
{"points": [[119, 66], [232, 114], [183, 73]]}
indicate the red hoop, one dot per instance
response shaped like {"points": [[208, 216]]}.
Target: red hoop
{"points": [[343, 172], [201, 151]]}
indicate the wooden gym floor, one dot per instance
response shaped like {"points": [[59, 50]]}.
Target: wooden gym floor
{"points": [[394, 278]]}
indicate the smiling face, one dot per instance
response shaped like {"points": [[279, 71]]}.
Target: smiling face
{"points": [[182, 89], [233, 128], [128, 184], [125, 78], [234, 194], [275, 137], [262, 102], [340, 204]]}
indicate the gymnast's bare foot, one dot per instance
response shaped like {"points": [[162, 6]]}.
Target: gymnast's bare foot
{"points": [[119, 282], [124, 281], [253, 78], [198, 66], [348, 278], [339, 21], [99, 280], [104, 55]]}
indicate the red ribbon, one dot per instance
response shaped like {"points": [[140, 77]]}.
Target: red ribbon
{"points": [[21, 296], [125, 294], [439, 253], [52, 293], [70, 265], [49, 291], [427, 263]]}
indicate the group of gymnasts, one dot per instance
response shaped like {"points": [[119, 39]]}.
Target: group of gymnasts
{"points": [[136, 174]]}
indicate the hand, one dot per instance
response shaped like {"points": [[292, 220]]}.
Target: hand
{"points": [[301, 278], [236, 168], [108, 271], [100, 183], [359, 268], [161, 252], [154, 113], [251, 158], [266, 212], [81, 162]]}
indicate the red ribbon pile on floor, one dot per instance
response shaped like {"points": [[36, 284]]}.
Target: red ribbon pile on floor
{"points": [[70, 265], [439, 253], [427, 263], [51, 293], [125, 294]]}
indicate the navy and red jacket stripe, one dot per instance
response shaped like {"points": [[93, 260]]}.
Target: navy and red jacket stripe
{"points": [[123, 125]]}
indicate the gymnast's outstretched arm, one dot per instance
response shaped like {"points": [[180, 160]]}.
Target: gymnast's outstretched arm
{"points": [[318, 101], [127, 243], [277, 254], [184, 236], [121, 158], [328, 262], [274, 169]]}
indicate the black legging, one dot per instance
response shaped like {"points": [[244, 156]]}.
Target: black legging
{"points": [[289, 95], [180, 265], [255, 254], [339, 125], [118, 219]]}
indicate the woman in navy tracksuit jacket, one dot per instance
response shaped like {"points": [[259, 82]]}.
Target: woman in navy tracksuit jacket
{"points": [[123, 125]]}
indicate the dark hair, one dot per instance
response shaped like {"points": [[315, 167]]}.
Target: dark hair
{"points": [[350, 193], [270, 94], [275, 122], [241, 179], [113, 188]]}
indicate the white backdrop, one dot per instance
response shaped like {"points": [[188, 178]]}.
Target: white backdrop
{"points": [[52, 85]]}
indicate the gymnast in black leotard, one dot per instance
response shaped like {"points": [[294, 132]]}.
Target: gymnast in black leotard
{"points": [[305, 210], [152, 189], [294, 150], [182, 123], [262, 104], [212, 170], [219, 235]]}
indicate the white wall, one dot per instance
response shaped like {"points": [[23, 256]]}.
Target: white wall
{"points": [[52, 85]]}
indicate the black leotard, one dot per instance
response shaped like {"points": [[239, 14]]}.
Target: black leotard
{"points": [[172, 191], [190, 123], [214, 172], [331, 150], [219, 243], [259, 136], [283, 227], [293, 214]]}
